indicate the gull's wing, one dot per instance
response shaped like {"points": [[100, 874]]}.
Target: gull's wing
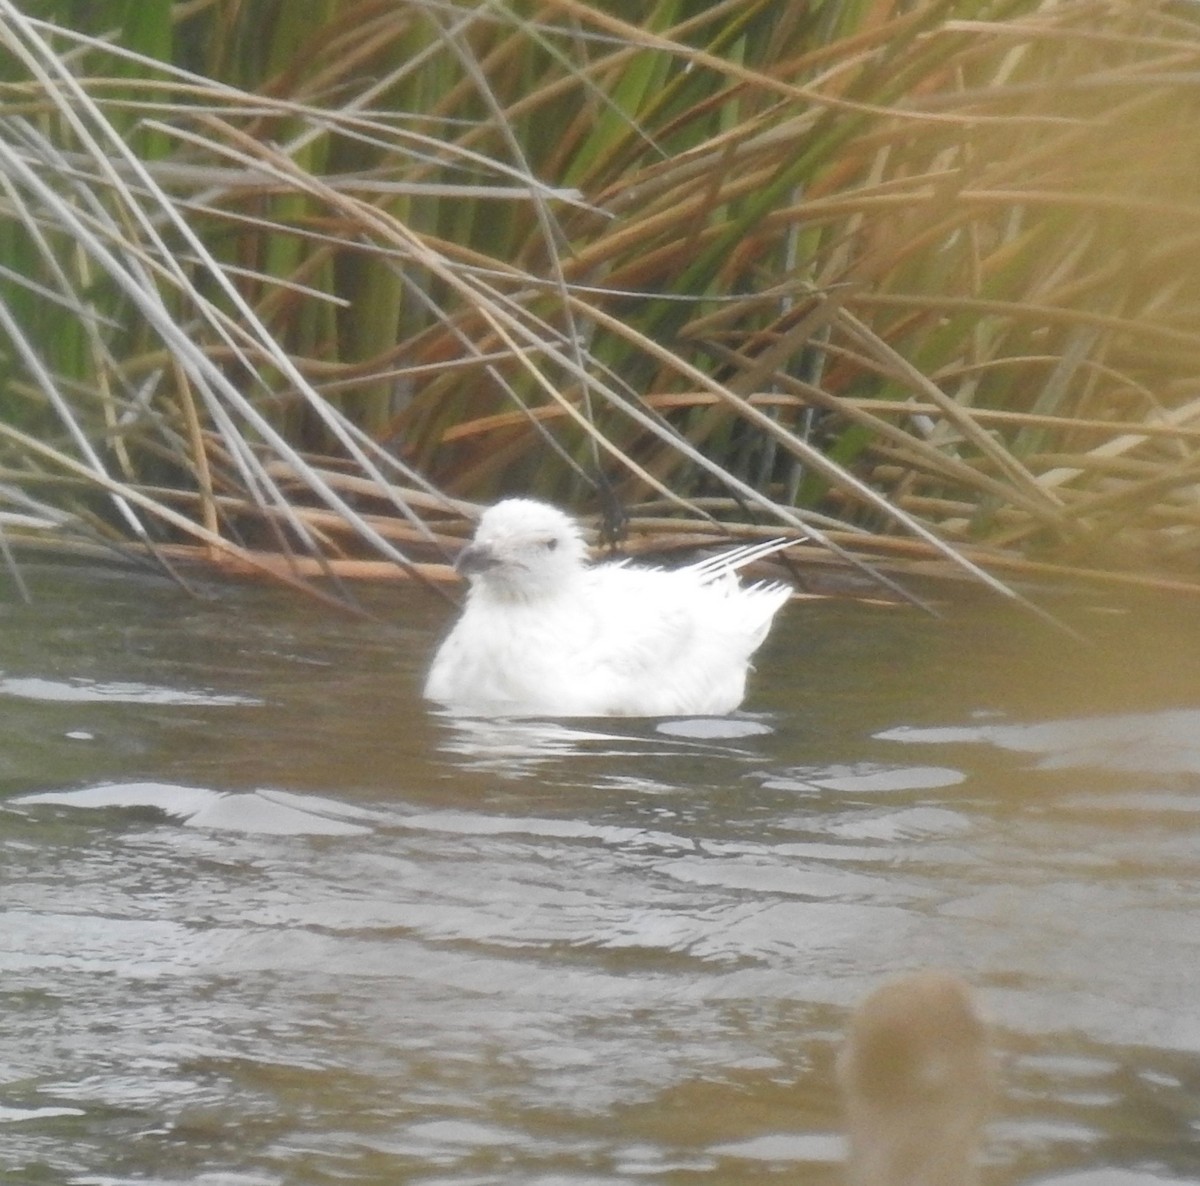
{"points": [[658, 639]]}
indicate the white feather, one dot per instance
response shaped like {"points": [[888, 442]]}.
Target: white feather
{"points": [[544, 633]]}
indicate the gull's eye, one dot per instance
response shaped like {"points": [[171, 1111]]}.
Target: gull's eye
{"points": [[551, 544]]}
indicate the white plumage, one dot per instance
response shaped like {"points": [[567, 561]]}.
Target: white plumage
{"points": [[544, 633]]}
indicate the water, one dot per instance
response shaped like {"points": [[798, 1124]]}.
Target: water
{"points": [[265, 920]]}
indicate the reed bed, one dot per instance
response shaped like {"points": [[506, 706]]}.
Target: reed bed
{"points": [[294, 288]]}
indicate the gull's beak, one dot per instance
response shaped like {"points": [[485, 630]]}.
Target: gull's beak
{"points": [[476, 558]]}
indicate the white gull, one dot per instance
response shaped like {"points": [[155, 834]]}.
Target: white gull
{"points": [[544, 633]]}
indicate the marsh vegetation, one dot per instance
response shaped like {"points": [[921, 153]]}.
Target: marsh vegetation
{"points": [[291, 286]]}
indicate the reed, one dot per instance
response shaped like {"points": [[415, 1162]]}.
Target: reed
{"points": [[296, 286]]}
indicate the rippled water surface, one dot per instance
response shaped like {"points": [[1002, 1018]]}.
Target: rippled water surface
{"points": [[265, 920]]}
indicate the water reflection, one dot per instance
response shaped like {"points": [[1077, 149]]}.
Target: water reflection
{"points": [[272, 812], [864, 777], [287, 926], [1165, 742], [515, 747], [83, 691]]}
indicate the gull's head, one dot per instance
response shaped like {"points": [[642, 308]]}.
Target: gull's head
{"points": [[523, 549]]}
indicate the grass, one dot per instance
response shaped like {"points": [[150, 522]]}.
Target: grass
{"points": [[295, 291]]}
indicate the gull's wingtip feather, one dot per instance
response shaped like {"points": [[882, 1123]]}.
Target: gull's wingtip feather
{"points": [[736, 558]]}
